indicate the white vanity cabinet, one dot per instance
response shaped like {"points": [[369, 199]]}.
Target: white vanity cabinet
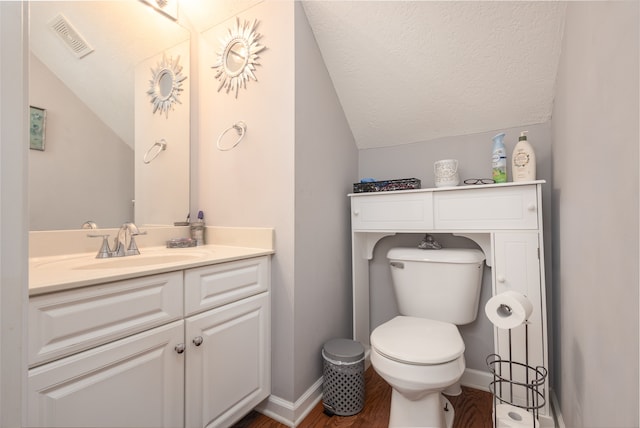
{"points": [[133, 354], [505, 220]]}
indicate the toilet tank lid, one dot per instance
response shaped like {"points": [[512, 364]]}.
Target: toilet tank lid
{"points": [[445, 255]]}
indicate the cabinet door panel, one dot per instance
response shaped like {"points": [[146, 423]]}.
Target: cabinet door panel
{"points": [[133, 382], [517, 268], [392, 211], [486, 209], [229, 372], [71, 321], [212, 286]]}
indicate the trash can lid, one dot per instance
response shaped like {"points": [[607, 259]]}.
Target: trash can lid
{"points": [[343, 350]]}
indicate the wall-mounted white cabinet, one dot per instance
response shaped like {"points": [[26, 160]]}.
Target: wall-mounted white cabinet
{"points": [[128, 354], [505, 220]]}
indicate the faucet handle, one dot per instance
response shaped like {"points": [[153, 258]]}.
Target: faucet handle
{"points": [[133, 247], [105, 250]]}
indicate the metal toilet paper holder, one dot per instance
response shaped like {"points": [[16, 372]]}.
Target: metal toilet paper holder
{"points": [[504, 385]]}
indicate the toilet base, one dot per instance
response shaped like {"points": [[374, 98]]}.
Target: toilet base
{"points": [[432, 411]]}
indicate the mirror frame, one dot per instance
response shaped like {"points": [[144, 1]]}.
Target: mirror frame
{"points": [[246, 35], [165, 102]]}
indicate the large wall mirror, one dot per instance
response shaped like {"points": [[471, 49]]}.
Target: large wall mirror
{"points": [[94, 68]]}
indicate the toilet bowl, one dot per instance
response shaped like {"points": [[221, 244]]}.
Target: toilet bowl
{"points": [[420, 352], [419, 358]]}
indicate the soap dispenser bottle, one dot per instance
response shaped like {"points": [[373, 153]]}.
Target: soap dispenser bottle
{"points": [[499, 159], [523, 160]]}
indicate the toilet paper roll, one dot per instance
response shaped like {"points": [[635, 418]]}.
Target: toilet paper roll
{"points": [[508, 310], [508, 416]]}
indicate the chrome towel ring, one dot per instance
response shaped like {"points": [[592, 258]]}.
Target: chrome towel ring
{"points": [[241, 129], [151, 154]]}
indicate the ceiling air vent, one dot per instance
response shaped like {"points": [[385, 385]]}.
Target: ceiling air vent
{"points": [[63, 28]]}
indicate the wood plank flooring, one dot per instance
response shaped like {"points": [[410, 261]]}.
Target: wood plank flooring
{"points": [[473, 410]]}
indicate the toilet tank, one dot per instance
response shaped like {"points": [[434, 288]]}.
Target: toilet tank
{"points": [[441, 284]]}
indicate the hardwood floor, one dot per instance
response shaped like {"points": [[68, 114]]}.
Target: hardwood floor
{"points": [[473, 410]]}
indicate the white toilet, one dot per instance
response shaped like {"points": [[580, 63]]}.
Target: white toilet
{"points": [[420, 353]]}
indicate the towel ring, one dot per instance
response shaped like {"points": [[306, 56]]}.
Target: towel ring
{"points": [[162, 145], [241, 129]]}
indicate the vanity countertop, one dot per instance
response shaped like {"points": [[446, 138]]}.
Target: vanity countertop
{"points": [[65, 272]]}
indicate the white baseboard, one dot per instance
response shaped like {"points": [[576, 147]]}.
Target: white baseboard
{"points": [[288, 413], [557, 413], [476, 379]]}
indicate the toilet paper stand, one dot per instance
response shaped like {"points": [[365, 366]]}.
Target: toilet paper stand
{"points": [[510, 409]]}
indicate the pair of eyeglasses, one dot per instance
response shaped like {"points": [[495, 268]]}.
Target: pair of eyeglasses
{"points": [[479, 181]]}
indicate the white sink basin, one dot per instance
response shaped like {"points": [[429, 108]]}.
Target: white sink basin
{"points": [[89, 262], [137, 261]]}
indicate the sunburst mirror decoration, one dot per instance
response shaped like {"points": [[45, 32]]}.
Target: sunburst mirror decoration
{"points": [[166, 85], [238, 57]]}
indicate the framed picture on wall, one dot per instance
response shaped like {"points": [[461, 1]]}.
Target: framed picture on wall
{"points": [[37, 123]]}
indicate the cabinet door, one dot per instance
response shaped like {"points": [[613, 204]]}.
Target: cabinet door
{"points": [[486, 208], [228, 362], [133, 382], [517, 268], [410, 211]]}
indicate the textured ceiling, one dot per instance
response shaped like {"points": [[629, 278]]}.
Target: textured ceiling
{"points": [[410, 71]]}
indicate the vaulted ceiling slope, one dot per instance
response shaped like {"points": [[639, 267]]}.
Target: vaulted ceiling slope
{"points": [[411, 71], [122, 33]]}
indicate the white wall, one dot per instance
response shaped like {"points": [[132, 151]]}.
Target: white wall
{"points": [[13, 211], [292, 172], [595, 234], [325, 169], [253, 184], [86, 170], [416, 161]]}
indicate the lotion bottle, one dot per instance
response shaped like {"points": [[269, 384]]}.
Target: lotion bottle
{"points": [[523, 160], [499, 159]]}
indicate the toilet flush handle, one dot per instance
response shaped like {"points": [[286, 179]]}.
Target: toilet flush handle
{"points": [[398, 265]]}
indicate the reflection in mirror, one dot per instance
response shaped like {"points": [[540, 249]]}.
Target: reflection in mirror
{"points": [[164, 84], [100, 117], [236, 58]]}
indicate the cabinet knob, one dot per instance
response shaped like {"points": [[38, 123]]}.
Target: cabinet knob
{"points": [[197, 340], [356, 212], [501, 279], [179, 348], [532, 207]]}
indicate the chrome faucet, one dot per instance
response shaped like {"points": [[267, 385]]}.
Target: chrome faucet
{"points": [[124, 243], [121, 247]]}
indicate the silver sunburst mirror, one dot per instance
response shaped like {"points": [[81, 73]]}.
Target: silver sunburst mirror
{"points": [[166, 85], [238, 56]]}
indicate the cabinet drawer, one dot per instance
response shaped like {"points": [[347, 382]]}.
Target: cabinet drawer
{"points": [[70, 321], [213, 286], [487, 209], [404, 211]]}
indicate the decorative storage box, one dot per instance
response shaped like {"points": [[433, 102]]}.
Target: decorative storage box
{"points": [[387, 185]]}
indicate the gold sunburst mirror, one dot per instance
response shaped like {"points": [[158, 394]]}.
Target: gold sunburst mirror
{"points": [[238, 56], [166, 85]]}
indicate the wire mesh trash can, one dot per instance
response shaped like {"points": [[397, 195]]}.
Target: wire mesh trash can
{"points": [[343, 377]]}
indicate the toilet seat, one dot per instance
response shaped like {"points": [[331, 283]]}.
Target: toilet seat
{"points": [[421, 341]]}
